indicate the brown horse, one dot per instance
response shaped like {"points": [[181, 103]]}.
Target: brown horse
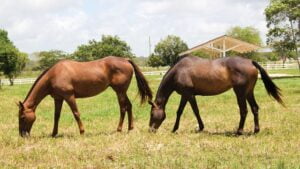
{"points": [[192, 76], [68, 80]]}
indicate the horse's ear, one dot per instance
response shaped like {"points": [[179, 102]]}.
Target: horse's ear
{"points": [[21, 106], [151, 103]]}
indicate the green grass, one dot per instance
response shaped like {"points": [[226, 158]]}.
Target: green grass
{"points": [[276, 146], [285, 71]]}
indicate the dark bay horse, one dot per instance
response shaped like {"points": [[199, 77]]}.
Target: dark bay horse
{"points": [[68, 80], [192, 76]]}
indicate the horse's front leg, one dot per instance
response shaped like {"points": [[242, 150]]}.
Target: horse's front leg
{"points": [[194, 105], [179, 113], [58, 104], [72, 103]]}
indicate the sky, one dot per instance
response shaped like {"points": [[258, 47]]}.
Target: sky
{"points": [[38, 25]]}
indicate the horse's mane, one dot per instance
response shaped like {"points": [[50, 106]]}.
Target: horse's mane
{"points": [[164, 79], [36, 81], [176, 61]]}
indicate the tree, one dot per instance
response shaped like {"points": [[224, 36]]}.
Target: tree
{"points": [[201, 54], [12, 61], [49, 58], [248, 34], [169, 49], [107, 46], [283, 21], [154, 61]]}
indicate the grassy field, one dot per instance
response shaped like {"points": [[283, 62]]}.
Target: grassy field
{"points": [[285, 71], [276, 146]]}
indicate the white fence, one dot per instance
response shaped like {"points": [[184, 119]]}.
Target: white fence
{"points": [[18, 81], [154, 73], [267, 66], [277, 66], [32, 80]]}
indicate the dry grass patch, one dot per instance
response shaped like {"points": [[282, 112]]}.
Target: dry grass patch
{"points": [[276, 146]]}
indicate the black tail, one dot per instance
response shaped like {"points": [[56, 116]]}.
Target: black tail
{"points": [[270, 86], [144, 89]]}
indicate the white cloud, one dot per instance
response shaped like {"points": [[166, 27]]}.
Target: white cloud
{"points": [[36, 25]]}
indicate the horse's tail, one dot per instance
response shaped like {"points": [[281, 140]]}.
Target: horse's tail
{"points": [[143, 86], [270, 86]]}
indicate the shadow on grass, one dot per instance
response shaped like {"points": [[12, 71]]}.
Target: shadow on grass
{"points": [[110, 133], [229, 134], [75, 135]]}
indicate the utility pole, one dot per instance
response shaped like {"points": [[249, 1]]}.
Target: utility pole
{"points": [[149, 46]]}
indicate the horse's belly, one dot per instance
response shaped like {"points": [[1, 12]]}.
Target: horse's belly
{"points": [[89, 90], [212, 88]]}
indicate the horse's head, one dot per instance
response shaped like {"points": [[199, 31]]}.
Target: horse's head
{"points": [[157, 116], [26, 119]]}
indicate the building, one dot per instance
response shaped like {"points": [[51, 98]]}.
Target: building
{"points": [[219, 46]]}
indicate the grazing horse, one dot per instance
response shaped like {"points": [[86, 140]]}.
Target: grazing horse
{"points": [[68, 80], [192, 76]]}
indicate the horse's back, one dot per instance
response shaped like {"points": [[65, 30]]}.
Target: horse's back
{"points": [[87, 79], [210, 77], [107, 66]]}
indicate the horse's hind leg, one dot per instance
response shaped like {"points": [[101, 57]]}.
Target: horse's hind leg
{"points": [[58, 104], [179, 112], [72, 103], [194, 105], [125, 105], [254, 108], [122, 104], [129, 112], [241, 99]]}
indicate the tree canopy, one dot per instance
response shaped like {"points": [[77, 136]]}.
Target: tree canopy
{"points": [[201, 54], [248, 34], [168, 49], [283, 22], [107, 46], [12, 61], [49, 58], [155, 61]]}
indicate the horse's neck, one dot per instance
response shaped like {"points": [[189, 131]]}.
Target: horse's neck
{"points": [[37, 94], [164, 91]]}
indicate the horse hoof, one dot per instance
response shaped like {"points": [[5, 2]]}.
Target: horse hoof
{"points": [[239, 133], [152, 130], [256, 130], [174, 130], [199, 129], [81, 132], [130, 128]]}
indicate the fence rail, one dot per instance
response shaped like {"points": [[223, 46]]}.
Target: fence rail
{"points": [[155, 73], [267, 66], [277, 66], [18, 81]]}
